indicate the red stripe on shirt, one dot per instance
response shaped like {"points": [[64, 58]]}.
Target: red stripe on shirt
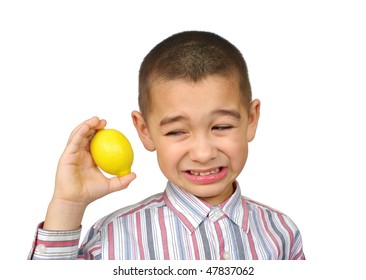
{"points": [[110, 242], [195, 246], [139, 236], [59, 243], [221, 240], [163, 234], [252, 246]]}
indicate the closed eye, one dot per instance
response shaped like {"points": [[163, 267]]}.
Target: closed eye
{"points": [[221, 127], [175, 133]]}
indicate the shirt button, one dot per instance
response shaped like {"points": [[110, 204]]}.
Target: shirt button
{"points": [[217, 213], [40, 249], [227, 256]]}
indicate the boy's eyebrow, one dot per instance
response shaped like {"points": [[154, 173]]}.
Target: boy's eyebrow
{"points": [[228, 112], [172, 119], [225, 112]]}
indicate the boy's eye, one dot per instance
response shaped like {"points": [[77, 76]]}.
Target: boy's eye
{"points": [[175, 133], [221, 127]]}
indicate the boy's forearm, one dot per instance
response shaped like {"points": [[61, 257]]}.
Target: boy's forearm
{"points": [[63, 215]]}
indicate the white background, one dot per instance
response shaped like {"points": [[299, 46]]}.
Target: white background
{"points": [[62, 62]]}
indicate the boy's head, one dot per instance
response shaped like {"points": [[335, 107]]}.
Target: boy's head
{"points": [[197, 113], [192, 56]]}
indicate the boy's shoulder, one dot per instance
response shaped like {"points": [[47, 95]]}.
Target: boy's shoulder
{"points": [[155, 200], [260, 211], [255, 205]]}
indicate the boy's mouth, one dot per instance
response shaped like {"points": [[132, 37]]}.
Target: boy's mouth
{"points": [[204, 173], [207, 176]]}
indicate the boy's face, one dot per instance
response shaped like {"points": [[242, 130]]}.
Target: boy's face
{"points": [[200, 132]]}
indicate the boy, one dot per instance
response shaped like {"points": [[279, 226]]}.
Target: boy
{"points": [[198, 115]]}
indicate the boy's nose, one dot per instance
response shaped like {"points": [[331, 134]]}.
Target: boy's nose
{"points": [[202, 150]]}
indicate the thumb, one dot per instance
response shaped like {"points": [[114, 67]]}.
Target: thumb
{"points": [[120, 183]]}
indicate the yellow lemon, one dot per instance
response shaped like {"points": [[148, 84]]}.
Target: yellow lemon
{"points": [[112, 152]]}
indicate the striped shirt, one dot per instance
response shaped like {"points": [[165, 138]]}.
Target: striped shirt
{"points": [[177, 225]]}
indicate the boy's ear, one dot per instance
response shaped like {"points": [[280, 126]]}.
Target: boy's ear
{"points": [[253, 119], [142, 131]]}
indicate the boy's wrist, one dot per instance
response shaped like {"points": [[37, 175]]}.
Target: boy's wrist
{"points": [[64, 215]]}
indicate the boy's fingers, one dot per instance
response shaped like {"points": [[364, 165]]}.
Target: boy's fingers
{"points": [[83, 133], [120, 183], [93, 124]]}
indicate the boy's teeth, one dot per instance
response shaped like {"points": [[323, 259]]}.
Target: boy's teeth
{"points": [[195, 173]]}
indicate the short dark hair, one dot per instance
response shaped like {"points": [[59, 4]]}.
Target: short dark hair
{"points": [[192, 55]]}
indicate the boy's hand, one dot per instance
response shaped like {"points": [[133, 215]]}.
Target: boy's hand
{"points": [[78, 180]]}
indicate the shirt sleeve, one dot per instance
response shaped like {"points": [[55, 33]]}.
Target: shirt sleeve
{"points": [[294, 241], [296, 250], [55, 245]]}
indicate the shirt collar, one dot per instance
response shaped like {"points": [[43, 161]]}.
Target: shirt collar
{"points": [[191, 210]]}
